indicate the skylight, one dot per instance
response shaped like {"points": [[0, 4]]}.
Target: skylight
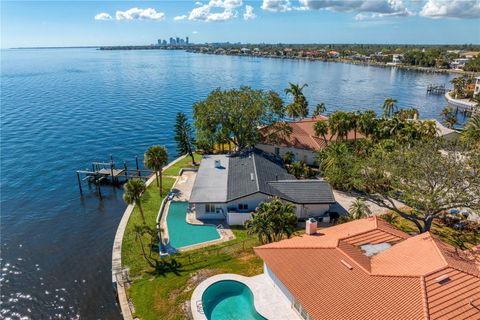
{"points": [[372, 249]]}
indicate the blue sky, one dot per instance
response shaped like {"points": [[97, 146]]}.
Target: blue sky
{"points": [[71, 23]]}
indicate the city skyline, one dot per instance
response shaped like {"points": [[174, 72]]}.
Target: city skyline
{"points": [[62, 23]]}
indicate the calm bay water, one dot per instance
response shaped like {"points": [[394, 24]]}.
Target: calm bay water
{"points": [[63, 108]]}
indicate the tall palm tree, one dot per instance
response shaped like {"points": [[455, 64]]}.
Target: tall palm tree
{"points": [[319, 109], [389, 107], [155, 158], [299, 107], [359, 209], [133, 191]]}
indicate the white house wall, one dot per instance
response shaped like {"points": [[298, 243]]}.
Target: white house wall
{"points": [[201, 213], [307, 156], [311, 210], [267, 271]]}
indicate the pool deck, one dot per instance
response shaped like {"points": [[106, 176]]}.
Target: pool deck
{"points": [[183, 189], [267, 299]]}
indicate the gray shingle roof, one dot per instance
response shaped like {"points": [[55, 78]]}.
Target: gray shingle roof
{"points": [[305, 191], [251, 172]]}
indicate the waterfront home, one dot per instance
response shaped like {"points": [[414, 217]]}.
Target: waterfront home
{"points": [[302, 142], [366, 269], [230, 187]]}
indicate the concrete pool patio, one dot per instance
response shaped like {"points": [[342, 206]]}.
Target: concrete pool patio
{"points": [[181, 191], [267, 299]]}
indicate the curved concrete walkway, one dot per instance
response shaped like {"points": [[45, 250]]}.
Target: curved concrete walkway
{"points": [[117, 253]]}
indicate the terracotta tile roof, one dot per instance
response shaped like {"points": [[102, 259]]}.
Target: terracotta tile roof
{"points": [[417, 277], [303, 135]]}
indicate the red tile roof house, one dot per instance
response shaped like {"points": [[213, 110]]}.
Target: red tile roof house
{"points": [[366, 269], [302, 141]]}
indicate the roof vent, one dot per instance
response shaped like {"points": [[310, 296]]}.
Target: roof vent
{"points": [[442, 279], [346, 264], [252, 177], [218, 164]]}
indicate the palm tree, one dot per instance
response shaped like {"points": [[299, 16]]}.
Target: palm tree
{"points": [[133, 191], [428, 128], [156, 158], [272, 221], [321, 129], [288, 157], [389, 107], [449, 117], [333, 154], [367, 123], [471, 133], [299, 106], [297, 169], [359, 209], [319, 109]]}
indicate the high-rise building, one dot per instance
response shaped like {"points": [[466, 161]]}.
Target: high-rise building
{"points": [[159, 42], [164, 42], [178, 40], [186, 40], [172, 41]]}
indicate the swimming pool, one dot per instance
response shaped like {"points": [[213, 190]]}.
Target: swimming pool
{"points": [[229, 300], [181, 233]]}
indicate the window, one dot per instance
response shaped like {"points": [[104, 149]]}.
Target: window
{"points": [[277, 151], [210, 208], [242, 206]]}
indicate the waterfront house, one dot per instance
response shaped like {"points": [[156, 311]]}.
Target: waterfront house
{"points": [[230, 187], [366, 269], [302, 142]]}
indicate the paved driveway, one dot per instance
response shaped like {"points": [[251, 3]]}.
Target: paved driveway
{"points": [[345, 200]]}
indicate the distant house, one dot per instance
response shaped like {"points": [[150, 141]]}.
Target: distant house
{"points": [[302, 142], [333, 54], [231, 187], [459, 63], [367, 269]]}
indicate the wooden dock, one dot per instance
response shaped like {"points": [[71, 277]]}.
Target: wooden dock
{"points": [[109, 173], [436, 89]]}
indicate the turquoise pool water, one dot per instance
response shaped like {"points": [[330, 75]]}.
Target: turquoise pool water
{"points": [[229, 300], [181, 233]]}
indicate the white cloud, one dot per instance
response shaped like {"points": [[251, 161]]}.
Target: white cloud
{"points": [[436, 9], [103, 16], [140, 14], [249, 14], [182, 17], [205, 13], [276, 5], [195, 32], [198, 3], [378, 8]]}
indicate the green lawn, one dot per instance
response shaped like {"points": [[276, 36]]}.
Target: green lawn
{"points": [[184, 163], [131, 250], [163, 296]]}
